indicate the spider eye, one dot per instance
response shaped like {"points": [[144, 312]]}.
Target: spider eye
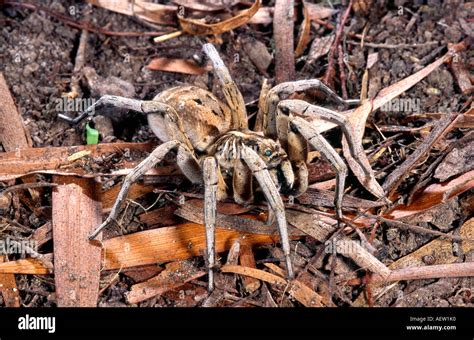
{"points": [[285, 110], [268, 152]]}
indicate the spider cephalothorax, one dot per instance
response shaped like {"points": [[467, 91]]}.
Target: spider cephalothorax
{"points": [[215, 147]]}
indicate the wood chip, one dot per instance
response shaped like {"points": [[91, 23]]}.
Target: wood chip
{"points": [[247, 259], [320, 47], [77, 211], [8, 288]]}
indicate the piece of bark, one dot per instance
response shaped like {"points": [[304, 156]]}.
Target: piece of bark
{"points": [[257, 53], [13, 133], [77, 211], [284, 42], [140, 274], [326, 198], [13, 136], [462, 77], [247, 259], [176, 274]]}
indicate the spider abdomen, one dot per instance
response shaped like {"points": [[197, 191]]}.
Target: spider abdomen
{"points": [[203, 116]]}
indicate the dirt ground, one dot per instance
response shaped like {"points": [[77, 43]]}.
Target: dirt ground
{"points": [[37, 57]]}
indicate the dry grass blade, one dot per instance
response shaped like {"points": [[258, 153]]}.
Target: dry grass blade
{"points": [[298, 290], [197, 27]]}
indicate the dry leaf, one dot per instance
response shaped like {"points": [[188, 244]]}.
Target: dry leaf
{"points": [[149, 11], [197, 27], [176, 65], [304, 36], [298, 290]]}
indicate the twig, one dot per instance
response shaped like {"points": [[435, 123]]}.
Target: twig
{"points": [[415, 228], [78, 65], [394, 46], [427, 272], [332, 52], [284, 43], [342, 72], [396, 177]]}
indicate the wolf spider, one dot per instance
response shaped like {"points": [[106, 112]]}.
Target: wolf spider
{"points": [[215, 146]]}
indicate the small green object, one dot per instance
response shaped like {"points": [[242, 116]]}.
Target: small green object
{"points": [[92, 135]]}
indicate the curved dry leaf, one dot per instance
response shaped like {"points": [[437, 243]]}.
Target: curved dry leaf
{"points": [[305, 30], [298, 290], [433, 195], [197, 27], [156, 13], [176, 66], [204, 5]]}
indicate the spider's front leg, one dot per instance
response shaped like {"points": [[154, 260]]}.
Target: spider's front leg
{"points": [[210, 174], [268, 110], [300, 107], [300, 127], [275, 203]]}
